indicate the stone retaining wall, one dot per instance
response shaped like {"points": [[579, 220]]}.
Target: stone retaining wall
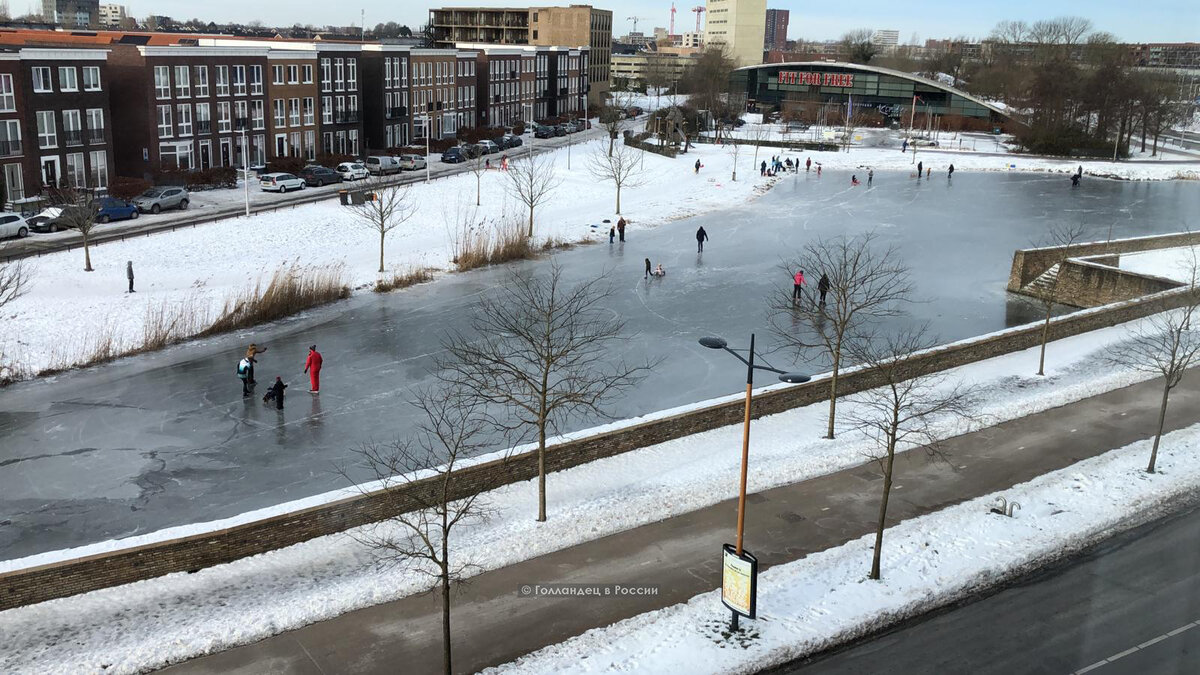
{"points": [[81, 575], [1029, 264], [1091, 283]]}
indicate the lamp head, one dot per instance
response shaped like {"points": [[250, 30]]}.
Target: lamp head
{"points": [[794, 378], [713, 342]]}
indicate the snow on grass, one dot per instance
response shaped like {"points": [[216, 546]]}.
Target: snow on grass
{"points": [[1171, 263], [825, 599], [152, 623], [66, 308]]}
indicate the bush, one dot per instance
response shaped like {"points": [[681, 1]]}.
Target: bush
{"points": [[435, 147], [478, 248], [127, 188], [403, 279], [197, 179], [1066, 142], [286, 165], [330, 160], [291, 290]]}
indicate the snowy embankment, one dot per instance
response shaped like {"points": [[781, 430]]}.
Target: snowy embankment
{"points": [[66, 309], [127, 629], [825, 599], [1171, 263]]}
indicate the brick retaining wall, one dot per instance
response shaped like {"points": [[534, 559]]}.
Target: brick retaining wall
{"points": [[1028, 264], [104, 570], [1091, 283]]}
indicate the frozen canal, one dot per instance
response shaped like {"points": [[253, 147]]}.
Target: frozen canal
{"points": [[167, 439]]}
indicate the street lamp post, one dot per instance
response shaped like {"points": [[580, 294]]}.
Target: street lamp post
{"points": [[784, 376], [246, 171]]}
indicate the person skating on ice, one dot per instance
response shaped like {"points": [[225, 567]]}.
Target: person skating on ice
{"points": [[275, 393], [647, 275], [312, 366], [701, 237], [252, 351], [823, 287], [797, 286]]}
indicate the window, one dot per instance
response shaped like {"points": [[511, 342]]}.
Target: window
{"points": [[259, 114], [165, 128], [326, 75], [308, 74], [280, 112], [10, 138], [185, 119], [239, 112], [327, 142], [310, 145], [223, 117], [99, 172], [309, 111], [293, 74], [201, 81], [14, 182], [91, 78], [404, 72], [294, 112], [67, 79], [326, 110], [162, 82], [387, 73], [222, 73], [203, 118], [76, 173], [175, 155], [353, 77], [41, 80], [47, 131], [354, 142], [276, 74], [8, 99], [239, 80], [183, 82], [354, 104], [339, 74], [256, 80]]}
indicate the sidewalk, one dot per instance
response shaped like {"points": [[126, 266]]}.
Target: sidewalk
{"points": [[681, 555]]}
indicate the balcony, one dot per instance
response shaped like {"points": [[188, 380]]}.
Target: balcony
{"points": [[350, 117], [394, 113], [10, 148], [96, 136], [73, 137], [204, 127], [241, 123]]}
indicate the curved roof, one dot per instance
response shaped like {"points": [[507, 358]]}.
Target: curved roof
{"points": [[887, 71]]}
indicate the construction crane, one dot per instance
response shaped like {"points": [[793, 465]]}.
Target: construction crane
{"points": [[671, 32], [634, 19], [699, 9]]}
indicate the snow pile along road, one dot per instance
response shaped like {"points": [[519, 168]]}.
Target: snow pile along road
{"points": [[826, 599]]}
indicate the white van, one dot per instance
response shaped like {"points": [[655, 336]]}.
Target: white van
{"points": [[382, 165]]}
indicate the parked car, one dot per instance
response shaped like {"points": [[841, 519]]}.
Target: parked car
{"points": [[111, 208], [488, 147], [382, 165], [561, 130], [12, 225], [512, 141], [544, 131], [280, 182], [412, 162], [633, 111], [317, 176], [158, 198], [41, 222], [351, 170], [454, 155]]}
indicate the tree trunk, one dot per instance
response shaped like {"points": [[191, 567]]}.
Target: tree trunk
{"points": [[833, 383], [618, 199], [478, 181], [530, 222], [1143, 132], [382, 236], [883, 504], [612, 138], [87, 255], [1162, 418], [1154, 151], [445, 591], [1045, 334]]}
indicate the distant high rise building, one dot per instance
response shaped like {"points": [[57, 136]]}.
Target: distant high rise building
{"points": [[72, 13], [777, 26], [737, 26], [886, 38], [112, 15]]}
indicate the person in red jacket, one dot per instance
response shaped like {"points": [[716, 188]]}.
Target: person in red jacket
{"points": [[312, 366]]}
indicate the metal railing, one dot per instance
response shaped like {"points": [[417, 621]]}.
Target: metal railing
{"points": [[204, 127], [73, 137], [10, 148]]}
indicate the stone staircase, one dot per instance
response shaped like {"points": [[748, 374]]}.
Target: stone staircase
{"points": [[1043, 285]]}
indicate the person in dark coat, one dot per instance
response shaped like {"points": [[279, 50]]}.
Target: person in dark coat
{"points": [[807, 164], [1075, 180], [697, 166], [612, 234], [870, 176], [823, 287], [950, 173], [920, 169], [762, 170], [129, 273], [701, 236], [275, 393], [621, 229], [647, 275]]}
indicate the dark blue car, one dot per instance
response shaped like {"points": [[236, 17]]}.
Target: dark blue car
{"points": [[111, 208]]}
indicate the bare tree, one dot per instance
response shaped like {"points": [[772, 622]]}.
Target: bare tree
{"points": [[14, 281], [1166, 344], [478, 166], [659, 74], [612, 116], [531, 179], [1063, 238], [901, 411], [623, 167], [386, 207], [858, 46], [417, 536], [79, 211], [867, 284], [758, 133], [542, 351], [734, 149]]}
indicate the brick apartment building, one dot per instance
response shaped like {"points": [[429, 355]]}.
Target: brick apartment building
{"points": [[554, 80], [293, 94], [506, 85], [342, 86]]}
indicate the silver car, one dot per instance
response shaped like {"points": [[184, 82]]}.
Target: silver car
{"points": [[159, 198], [12, 225], [411, 162]]}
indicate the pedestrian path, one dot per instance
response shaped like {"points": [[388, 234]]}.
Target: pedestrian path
{"points": [[494, 623]]}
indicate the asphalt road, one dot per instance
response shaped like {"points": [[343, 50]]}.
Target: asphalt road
{"points": [[1130, 605]]}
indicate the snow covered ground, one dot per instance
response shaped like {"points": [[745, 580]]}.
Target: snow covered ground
{"points": [[152, 623], [1172, 263], [825, 599]]}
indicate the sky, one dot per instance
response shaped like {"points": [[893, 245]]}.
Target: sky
{"points": [[1153, 21]]}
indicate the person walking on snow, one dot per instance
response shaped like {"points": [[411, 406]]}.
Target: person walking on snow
{"points": [[621, 229], [950, 173], [701, 235], [697, 166], [920, 169], [807, 164], [312, 366], [252, 351], [823, 287], [129, 274], [797, 284], [647, 275], [904, 146], [762, 170]]}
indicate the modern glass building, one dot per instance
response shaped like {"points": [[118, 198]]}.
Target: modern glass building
{"points": [[809, 87]]}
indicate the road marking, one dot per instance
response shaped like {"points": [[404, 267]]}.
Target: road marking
{"points": [[1127, 652]]}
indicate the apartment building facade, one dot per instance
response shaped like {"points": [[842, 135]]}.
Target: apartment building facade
{"points": [[738, 27], [341, 84], [506, 85], [293, 96]]}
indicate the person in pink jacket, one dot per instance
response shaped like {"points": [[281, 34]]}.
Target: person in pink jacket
{"points": [[312, 366], [797, 283]]}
